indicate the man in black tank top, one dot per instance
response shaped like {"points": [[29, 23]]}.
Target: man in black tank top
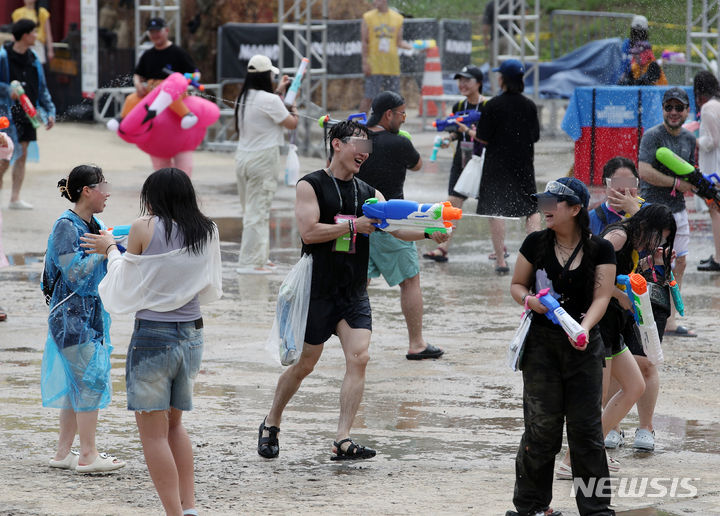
{"points": [[328, 206]]}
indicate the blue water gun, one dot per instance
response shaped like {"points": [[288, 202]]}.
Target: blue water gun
{"points": [[403, 214], [437, 145], [676, 297], [624, 280], [559, 316], [449, 123], [120, 233]]}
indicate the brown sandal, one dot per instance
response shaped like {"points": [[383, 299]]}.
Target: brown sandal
{"points": [[432, 255]]}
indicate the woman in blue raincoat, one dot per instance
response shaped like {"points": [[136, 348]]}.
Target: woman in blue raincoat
{"points": [[76, 362]]}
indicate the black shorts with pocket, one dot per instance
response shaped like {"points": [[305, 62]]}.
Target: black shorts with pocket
{"points": [[25, 130], [325, 313]]}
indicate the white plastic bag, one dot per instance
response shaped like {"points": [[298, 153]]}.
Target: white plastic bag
{"points": [[468, 184], [515, 349], [292, 166], [288, 331]]}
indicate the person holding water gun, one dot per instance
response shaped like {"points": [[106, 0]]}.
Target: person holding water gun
{"points": [[470, 84], [397, 261], [659, 185], [19, 63], [618, 176], [260, 116], [562, 382], [329, 214], [650, 233]]}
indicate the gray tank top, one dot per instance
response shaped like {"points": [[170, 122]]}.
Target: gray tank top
{"points": [[158, 245]]}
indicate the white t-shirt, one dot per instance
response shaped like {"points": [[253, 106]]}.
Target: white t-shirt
{"points": [[260, 124], [709, 140]]}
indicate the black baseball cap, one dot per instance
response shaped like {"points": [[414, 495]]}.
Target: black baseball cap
{"points": [[568, 189], [470, 72], [676, 94], [382, 102], [155, 24]]}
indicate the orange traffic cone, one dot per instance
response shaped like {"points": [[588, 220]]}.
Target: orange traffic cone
{"points": [[432, 80]]}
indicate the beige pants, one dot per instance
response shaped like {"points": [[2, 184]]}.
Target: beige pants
{"points": [[256, 183]]}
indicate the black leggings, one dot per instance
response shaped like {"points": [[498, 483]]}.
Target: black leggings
{"points": [[560, 384]]}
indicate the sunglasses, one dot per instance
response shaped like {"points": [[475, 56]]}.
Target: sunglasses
{"points": [[103, 187], [360, 145], [677, 107], [622, 183]]}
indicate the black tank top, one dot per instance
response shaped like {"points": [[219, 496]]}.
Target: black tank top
{"points": [[338, 274], [623, 257]]}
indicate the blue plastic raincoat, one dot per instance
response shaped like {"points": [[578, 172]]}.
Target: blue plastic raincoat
{"points": [[76, 361]]}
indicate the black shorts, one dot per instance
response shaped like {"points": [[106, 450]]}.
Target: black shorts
{"points": [[25, 130], [616, 328], [325, 313]]}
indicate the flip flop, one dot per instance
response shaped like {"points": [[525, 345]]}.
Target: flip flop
{"points": [[493, 256], [69, 462], [442, 257], [429, 352], [102, 464], [680, 331]]}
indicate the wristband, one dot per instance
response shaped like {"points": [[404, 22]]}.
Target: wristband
{"points": [[673, 192], [427, 235], [350, 226], [108, 248]]}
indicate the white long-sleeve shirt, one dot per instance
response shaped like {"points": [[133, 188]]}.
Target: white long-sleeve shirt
{"points": [[709, 140]]}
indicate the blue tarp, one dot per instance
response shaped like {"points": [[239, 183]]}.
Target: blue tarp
{"points": [[595, 64]]}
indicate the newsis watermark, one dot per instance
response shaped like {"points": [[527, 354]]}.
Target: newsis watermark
{"points": [[636, 487]]}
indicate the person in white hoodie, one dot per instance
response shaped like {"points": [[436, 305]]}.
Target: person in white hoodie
{"points": [[173, 239]]}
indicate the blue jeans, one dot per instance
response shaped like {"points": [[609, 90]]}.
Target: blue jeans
{"points": [[162, 362]]}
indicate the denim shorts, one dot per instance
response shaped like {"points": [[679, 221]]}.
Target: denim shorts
{"points": [[162, 362]]}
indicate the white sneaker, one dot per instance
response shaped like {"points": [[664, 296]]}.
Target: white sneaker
{"points": [[613, 465], [188, 121], [113, 124], [20, 205]]}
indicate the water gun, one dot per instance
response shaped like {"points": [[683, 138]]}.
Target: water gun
{"points": [[559, 316], [676, 297], [120, 233], [27, 106], [402, 214], [424, 44], [624, 281], [193, 79], [687, 172], [449, 123], [437, 145], [648, 329], [295, 85], [361, 118]]}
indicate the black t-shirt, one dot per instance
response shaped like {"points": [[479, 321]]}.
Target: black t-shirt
{"points": [[337, 274], [387, 165], [156, 64], [22, 69], [576, 297], [510, 127]]}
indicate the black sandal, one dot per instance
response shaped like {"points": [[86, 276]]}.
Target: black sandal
{"points": [[353, 452], [268, 447]]}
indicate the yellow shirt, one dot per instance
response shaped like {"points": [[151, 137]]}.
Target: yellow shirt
{"points": [[30, 14], [382, 41]]}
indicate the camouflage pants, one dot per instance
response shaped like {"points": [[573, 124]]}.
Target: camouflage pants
{"points": [[561, 384]]}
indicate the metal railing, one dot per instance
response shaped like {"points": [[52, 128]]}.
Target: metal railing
{"points": [[572, 29]]}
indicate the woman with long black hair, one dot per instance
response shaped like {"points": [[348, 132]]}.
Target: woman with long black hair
{"points": [[172, 239], [562, 379], [260, 117]]}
